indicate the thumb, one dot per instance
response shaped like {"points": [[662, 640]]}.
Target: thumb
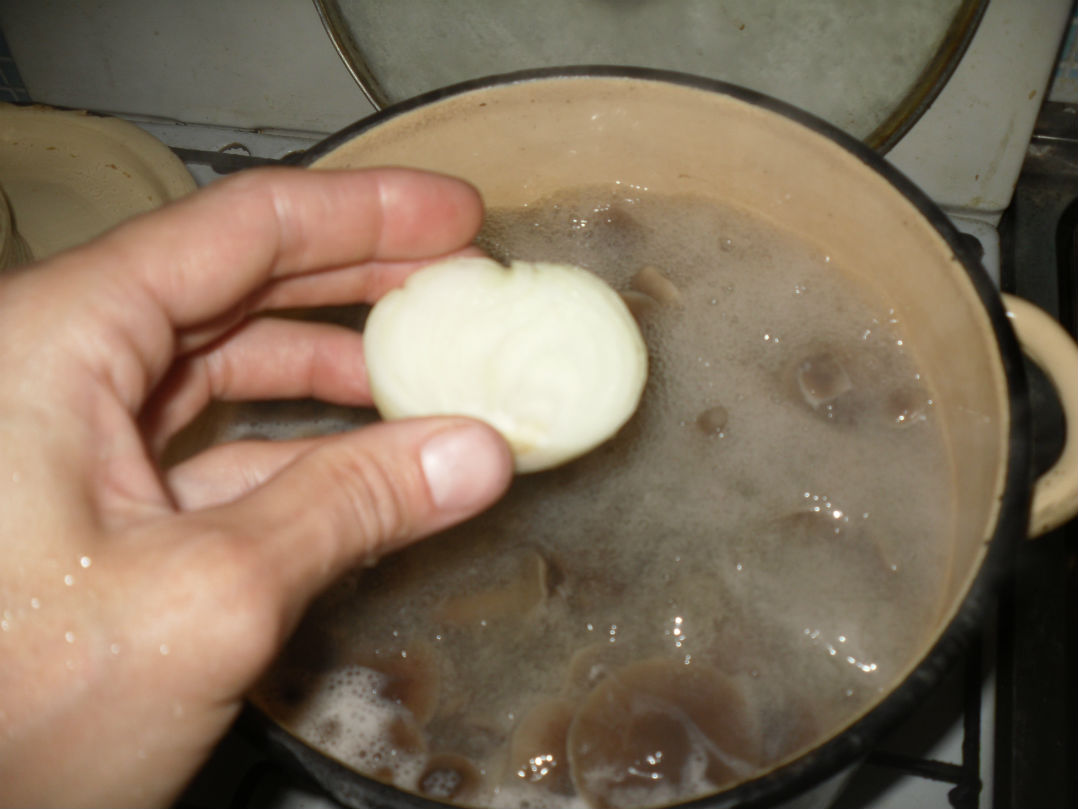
{"points": [[353, 499]]}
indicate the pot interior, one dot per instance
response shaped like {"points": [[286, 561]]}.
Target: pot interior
{"points": [[524, 141]]}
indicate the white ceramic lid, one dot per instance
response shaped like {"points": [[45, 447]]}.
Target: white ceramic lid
{"points": [[69, 176]]}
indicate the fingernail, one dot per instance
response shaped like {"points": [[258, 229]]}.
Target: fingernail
{"points": [[466, 467]]}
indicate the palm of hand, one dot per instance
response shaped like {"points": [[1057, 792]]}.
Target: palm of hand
{"points": [[139, 605]]}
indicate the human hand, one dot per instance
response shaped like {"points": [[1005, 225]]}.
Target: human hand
{"points": [[137, 606]]}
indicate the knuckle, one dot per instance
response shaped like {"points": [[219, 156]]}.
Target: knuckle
{"points": [[380, 500], [217, 371]]}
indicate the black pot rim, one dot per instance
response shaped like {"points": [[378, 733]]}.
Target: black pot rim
{"points": [[854, 742]]}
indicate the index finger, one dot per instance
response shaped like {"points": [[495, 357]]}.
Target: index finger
{"points": [[206, 253], [128, 300]]}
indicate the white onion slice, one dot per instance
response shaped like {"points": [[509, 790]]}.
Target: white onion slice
{"points": [[547, 354]]}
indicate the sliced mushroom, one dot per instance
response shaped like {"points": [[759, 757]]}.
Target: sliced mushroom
{"points": [[821, 380], [537, 750], [905, 408], [641, 306], [524, 590], [449, 777], [654, 284], [590, 664], [660, 731], [825, 530], [713, 420], [405, 738], [411, 679]]}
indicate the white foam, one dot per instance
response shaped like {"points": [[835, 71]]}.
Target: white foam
{"points": [[344, 716]]}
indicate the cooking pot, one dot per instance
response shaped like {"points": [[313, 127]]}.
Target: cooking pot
{"points": [[524, 136]]}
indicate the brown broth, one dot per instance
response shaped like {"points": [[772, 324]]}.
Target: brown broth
{"points": [[744, 569]]}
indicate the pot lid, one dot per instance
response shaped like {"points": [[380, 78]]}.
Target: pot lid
{"points": [[69, 176], [870, 68]]}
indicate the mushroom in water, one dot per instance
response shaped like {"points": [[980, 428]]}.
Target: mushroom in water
{"points": [[537, 750], [821, 380], [515, 597], [658, 731], [411, 678], [449, 777], [654, 284]]}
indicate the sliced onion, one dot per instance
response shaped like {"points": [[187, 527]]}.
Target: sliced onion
{"points": [[547, 354]]}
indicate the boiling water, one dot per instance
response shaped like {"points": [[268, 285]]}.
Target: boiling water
{"points": [[744, 569]]}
